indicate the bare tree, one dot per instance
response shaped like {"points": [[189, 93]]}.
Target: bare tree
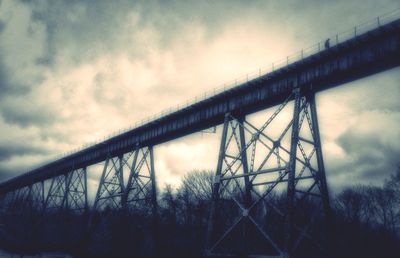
{"points": [[199, 185], [383, 208], [353, 205], [169, 204], [194, 196]]}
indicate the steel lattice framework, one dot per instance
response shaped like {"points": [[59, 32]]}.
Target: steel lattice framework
{"points": [[56, 196], [6, 200], [256, 161], [68, 191], [291, 160], [111, 188], [21, 196], [139, 194], [76, 195], [36, 195]]}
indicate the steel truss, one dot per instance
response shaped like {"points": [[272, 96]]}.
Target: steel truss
{"points": [[246, 215], [139, 195], [36, 195], [31, 197], [111, 187], [22, 197], [76, 194], [6, 200], [68, 191]]}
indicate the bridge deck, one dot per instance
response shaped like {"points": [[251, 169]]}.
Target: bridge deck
{"points": [[364, 55]]}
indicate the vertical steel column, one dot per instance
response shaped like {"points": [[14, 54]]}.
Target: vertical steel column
{"points": [[46, 201], [244, 161], [85, 190], [101, 183], [153, 185], [247, 201], [68, 178], [43, 199], [30, 195], [132, 174], [292, 172], [321, 177], [36, 195], [216, 185], [154, 205], [321, 167], [121, 174]]}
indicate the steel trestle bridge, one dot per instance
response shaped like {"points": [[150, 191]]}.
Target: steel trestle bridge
{"points": [[251, 162]]}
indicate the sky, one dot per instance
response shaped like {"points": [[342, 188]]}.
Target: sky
{"points": [[74, 72]]}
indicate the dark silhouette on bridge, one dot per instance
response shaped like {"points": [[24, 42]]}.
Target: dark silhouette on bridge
{"points": [[252, 163]]}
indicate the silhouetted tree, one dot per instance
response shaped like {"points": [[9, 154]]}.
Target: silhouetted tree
{"points": [[367, 224], [352, 204]]}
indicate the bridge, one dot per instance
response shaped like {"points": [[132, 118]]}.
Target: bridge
{"points": [[292, 160]]}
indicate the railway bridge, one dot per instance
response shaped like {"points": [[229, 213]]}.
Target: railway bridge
{"points": [[252, 162]]}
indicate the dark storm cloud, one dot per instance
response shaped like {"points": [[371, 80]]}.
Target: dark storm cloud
{"points": [[9, 150], [7, 86], [2, 26], [25, 115], [85, 28], [371, 156], [6, 174], [89, 29], [19, 74]]}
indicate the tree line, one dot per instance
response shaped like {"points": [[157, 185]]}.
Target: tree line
{"points": [[366, 224]]}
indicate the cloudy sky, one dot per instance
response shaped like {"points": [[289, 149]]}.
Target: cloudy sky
{"points": [[73, 72]]}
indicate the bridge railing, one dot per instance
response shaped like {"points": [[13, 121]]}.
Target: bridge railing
{"points": [[290, 59]]}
